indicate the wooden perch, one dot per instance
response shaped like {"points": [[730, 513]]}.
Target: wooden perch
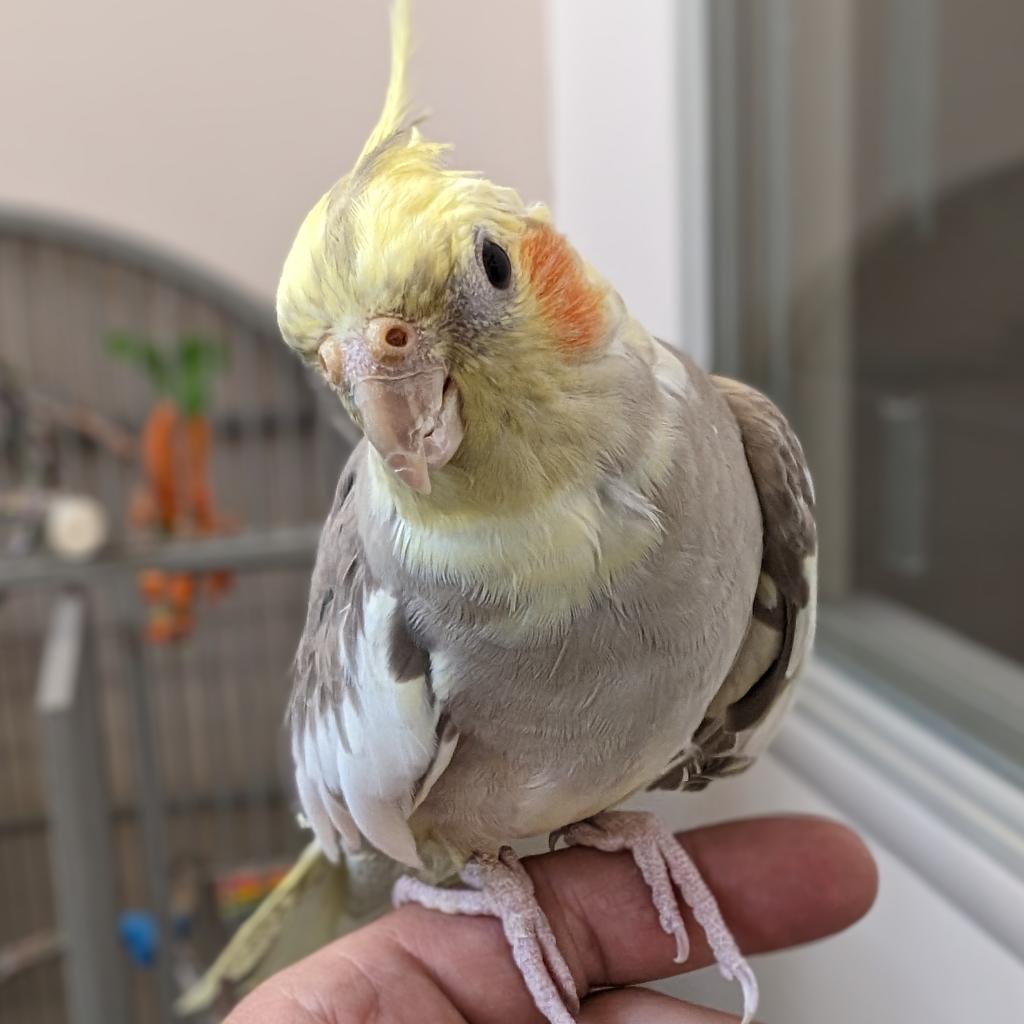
{"points": [[73, 416], [85, 422]]}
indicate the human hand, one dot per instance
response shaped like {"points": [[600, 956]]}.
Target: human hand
{"points": [[779, 882]]}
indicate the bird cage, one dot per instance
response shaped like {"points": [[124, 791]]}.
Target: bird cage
{"points": [[186, 764]]}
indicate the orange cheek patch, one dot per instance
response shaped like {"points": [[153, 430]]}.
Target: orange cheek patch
{"points": [[567, 300]]}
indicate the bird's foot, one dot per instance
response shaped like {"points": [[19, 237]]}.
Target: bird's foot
{"points": [[662, 862], [500, 887]]}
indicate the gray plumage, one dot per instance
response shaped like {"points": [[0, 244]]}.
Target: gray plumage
{"points": [[439, 719]]}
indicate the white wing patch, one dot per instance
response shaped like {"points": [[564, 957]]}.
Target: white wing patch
{"points": [[327, 815], [364, 766]]}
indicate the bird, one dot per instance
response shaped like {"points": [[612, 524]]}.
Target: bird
{"points": [[563, 565]]}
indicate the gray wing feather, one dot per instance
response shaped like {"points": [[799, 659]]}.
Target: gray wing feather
{"points": [[747, 709]]}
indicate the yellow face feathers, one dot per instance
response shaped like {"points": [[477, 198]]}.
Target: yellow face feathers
{"points": [[393, 234], [490, 291]]}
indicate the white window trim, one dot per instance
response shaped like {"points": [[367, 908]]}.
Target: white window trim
{"points": [[957, 823], [965, 688], [634, 202]]}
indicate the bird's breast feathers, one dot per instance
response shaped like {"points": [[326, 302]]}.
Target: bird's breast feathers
{"points": [[552, 559], [403, 610], [543, 564]]}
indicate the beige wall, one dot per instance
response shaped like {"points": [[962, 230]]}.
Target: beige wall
{"points": [[210, 128]]}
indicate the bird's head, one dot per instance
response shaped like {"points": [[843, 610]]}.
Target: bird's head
{"points": [[460, 330]]}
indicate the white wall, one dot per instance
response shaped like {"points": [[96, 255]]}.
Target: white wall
{"points": [[210, 128]]}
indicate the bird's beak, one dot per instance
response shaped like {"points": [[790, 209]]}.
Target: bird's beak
{"points": [[408, 404]]}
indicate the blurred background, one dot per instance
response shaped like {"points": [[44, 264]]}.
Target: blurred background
{"points": [[822, 197]]}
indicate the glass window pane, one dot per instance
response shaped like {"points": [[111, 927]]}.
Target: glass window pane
{"points": [[870, 259]]}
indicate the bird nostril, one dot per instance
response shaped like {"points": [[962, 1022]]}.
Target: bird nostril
{"points": [[323, 362], [396, 337]]}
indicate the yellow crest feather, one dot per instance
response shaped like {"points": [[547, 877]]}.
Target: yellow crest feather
{"points": [[387, 236], [392, 117]]}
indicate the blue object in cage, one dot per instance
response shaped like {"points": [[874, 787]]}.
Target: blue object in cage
{"points": [[140, 936]]}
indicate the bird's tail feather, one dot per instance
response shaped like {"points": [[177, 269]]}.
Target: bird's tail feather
{"points": [[313, 904]]}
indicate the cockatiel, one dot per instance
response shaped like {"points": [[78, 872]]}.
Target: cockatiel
{"points": [[564, 564]]}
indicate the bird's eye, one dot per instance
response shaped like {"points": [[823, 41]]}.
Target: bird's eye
{"points": [[497, 266]]}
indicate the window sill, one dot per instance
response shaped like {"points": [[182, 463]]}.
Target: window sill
{"points": [[961, 690], [953, 820]]}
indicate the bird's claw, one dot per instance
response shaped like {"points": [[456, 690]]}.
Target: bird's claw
{"points": [[666, 866], [500, 887]]}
